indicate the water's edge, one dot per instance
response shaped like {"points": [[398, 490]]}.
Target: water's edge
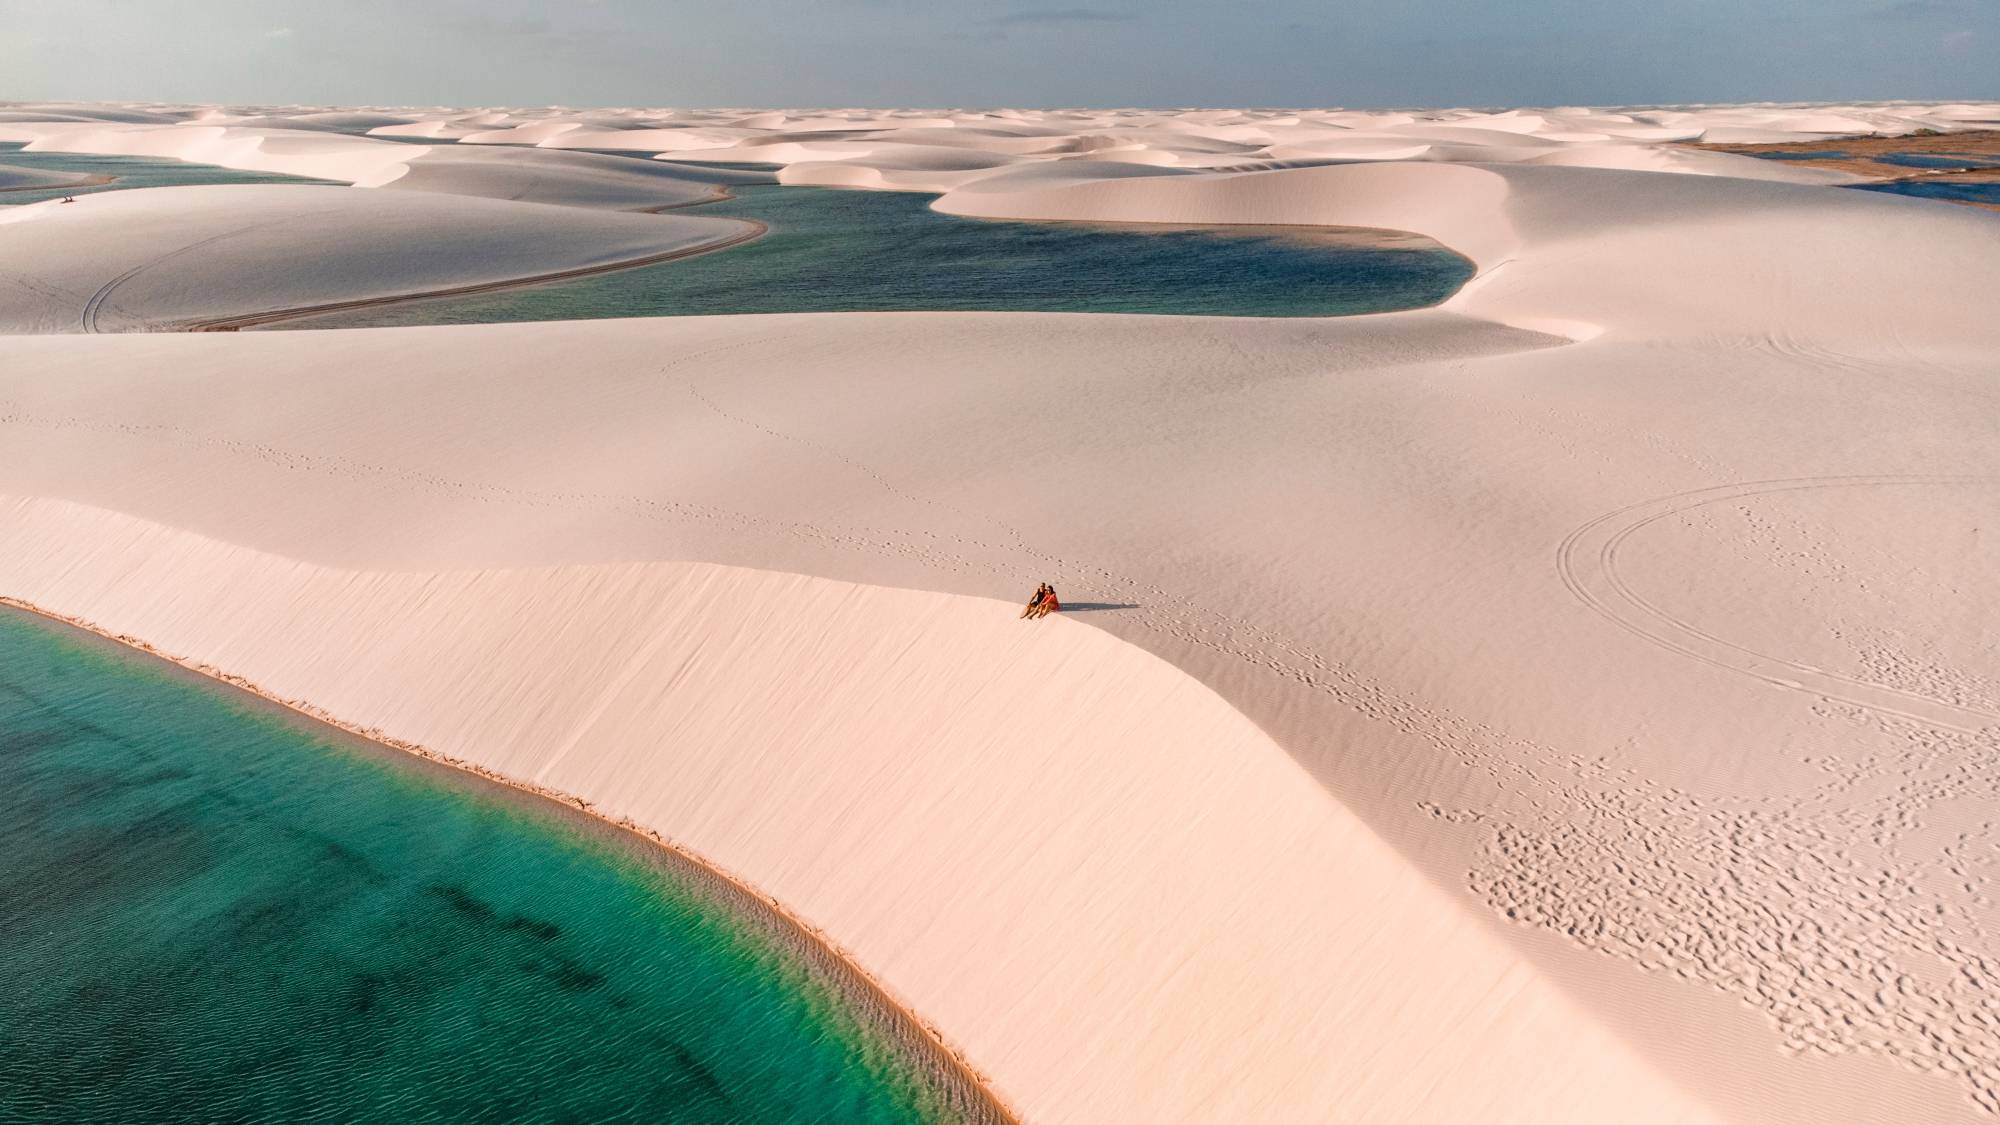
{"points": [[753, 230], [927, 1051]]}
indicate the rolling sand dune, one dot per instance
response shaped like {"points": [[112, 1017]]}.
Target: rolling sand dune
{"points": [[996, 950], [170, 257], [1672, 158], [925, 152], [1577, 250], [1574, 703], [65, 111], [334, 122], [569, 179], [289, 152]]}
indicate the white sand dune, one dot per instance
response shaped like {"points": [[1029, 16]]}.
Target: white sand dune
{"points": [[922, 152], [319, 155], [1569, 704], [571, 179], [431, 129], [353, 123], [662, 140], [1667, 158], [871, 147], [1595, 248], [71, 111], [928, 168], [940, 706], [565, 178], [163, 257], [534, 133]]}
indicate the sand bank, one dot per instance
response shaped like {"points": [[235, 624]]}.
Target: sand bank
{"points": [[925, 1051], [1003, 789], [750, 230], [572, 179], [201, 256]]}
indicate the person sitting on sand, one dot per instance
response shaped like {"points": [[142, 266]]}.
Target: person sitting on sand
{"points": [[1035, 603], [1043, 603]]}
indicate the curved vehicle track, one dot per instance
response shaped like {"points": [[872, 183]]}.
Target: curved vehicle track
{"points": [[753, 230], [1587, 561], [94, 306]]}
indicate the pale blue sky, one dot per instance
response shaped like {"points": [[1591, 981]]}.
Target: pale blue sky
{"points": [[942, 53]]}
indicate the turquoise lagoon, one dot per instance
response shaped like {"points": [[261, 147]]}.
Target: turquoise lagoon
{"points": [[834, 250], [128, 172], [212, 910]]}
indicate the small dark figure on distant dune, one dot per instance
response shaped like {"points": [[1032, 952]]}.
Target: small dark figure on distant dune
{"points": [[1043, 603]]}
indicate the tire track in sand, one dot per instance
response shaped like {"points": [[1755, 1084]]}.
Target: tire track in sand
{"points": [[1587, 562], [95, 304]]}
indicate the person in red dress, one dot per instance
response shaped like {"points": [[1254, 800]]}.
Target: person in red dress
{"points": [[1043, 603]]}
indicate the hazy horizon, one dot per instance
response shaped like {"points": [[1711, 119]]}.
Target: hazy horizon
{"points": [[951, 53]]}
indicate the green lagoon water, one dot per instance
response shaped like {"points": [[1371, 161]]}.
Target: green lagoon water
{"points": [[833, 250], [210, 911], [131, 172]]}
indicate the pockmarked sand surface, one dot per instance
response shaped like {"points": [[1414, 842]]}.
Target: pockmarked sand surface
{"points": [[1572, 703]]}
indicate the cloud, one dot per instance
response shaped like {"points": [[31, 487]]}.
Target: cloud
{"points": [[1042, 17], [278, 33]]}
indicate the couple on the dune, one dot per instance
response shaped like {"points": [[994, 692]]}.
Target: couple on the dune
{"points": [[1043, 603]]}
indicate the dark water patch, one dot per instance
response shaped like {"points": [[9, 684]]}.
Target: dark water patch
{"points": [[1829, 154], [729, 165], [126, 172], [831, 250], [676, 158], [1939, 161], [211, 912], [1956, 191]]}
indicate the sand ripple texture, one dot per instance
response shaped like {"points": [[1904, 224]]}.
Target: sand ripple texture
{"points": [[1855, 913]]}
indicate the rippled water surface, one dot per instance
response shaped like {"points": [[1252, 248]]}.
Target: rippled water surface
{"points": [[212, 912]]}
